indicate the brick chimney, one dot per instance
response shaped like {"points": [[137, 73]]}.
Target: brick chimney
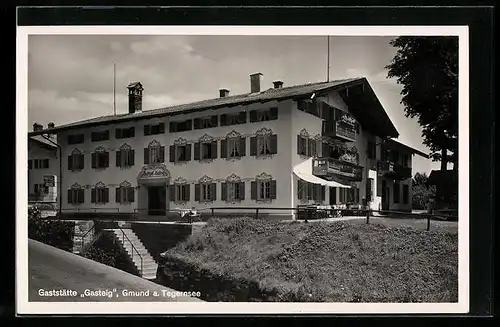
{"points": [[278, 84], [37, 127], [255, 81], [50, 125], [223, 93], [135, 97]]}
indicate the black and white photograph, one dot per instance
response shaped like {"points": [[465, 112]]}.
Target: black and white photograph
{"points": [[317, 168]]}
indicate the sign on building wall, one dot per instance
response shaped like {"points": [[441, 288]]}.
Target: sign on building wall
{"points": [[49, 180]]}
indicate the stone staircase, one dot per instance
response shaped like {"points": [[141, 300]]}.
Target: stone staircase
{"points": [[81, 229], [149, 265]]}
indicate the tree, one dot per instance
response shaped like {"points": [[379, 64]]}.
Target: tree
{"points": [[427, 68], [422, 194]]}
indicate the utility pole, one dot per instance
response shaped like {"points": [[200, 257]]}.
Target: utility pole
{"points": [[328, 60], [114, 88]]}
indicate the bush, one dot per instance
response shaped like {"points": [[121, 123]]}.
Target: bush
{"points": [[56, 233]]}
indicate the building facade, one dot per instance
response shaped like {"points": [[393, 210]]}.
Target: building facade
{"points": [[235, 152]]}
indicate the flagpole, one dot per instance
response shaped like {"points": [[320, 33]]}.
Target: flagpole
{"points": [[114, 88], [328, 60]]}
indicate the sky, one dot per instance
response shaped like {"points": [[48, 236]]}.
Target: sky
{"points": [[70, 77]]}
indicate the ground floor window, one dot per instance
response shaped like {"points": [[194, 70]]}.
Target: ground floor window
{"points": [[100, 194], [180, 193], [263, 189], [125, 194], [205, 192], [406, 193], [233, 191], [311, 191], [76, 196]]}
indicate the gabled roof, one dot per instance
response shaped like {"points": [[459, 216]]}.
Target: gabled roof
{"points": [[43, 142], [298, 91], [409, 148]]}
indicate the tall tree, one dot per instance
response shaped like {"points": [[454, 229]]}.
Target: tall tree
{"points": [[427, 68]]}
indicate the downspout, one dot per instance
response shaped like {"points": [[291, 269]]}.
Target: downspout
{"points": [[60, 172]]}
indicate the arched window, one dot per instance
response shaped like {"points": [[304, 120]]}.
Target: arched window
{"points": [[76, 160], [100, 194], [154, 153], [76, 194], [125, 193], [125, 156]]}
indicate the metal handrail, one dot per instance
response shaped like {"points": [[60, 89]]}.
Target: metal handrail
{"points": [[133, 247], [84, 236]]}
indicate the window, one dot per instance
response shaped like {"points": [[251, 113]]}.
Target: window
{"points": [[205, 191], [100, 194], [233, 191], [314, 108], [41, 189], [406, 159], [76, 138], [100, 158], [310, 191], [180, 153], [396, 192], [302, 142], [206, 122], [76, 160], [76, 195], [154, 129], [180, 192], [180, 126], [406, 193], [263, 188], [99, 136], [263, 144], [371, 150], [154, 153], [125, 193], [233, 119], [263, 114], [205, 149], [38, 163], [122, 133], [125, 156]]}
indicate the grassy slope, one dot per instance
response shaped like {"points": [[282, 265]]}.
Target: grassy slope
{"points": [[339, 262]]}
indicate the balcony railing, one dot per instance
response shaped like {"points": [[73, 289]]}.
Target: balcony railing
{"points": [[339, 129], [392, 170], [335, 167]]}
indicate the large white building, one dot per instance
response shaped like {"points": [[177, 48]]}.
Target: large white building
{"points": [[277, 147]]}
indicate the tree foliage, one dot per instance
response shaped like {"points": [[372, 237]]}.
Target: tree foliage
{"points": [[427, 68], [422, 195]]}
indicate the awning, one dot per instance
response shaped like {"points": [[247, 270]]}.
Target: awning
{"points": [[304, 172]]}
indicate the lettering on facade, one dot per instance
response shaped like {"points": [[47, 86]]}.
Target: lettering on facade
{"points": [[154, 171]]}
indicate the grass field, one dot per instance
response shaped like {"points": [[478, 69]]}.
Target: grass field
{"points": [[333, 262]]}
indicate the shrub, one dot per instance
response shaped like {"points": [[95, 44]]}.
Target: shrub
{"points": [[56, 233]]}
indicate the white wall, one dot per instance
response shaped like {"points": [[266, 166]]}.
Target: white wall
{"points": [[247, 168], [36, 176]]}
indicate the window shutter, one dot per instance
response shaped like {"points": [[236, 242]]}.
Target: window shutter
{"points": [[213, 192], [323, 193], [253, 190], [106, 195], [241, 185], [172, 189], [162, 154], [187, 192], [333, 195], [82, 161], [310, 191], [118, 195], [197, 123], [253, 146], [273, 189], [242, 117], [70, 200], [118, 158], [253, 116], [131, 195], [70, 162], [189, 124], [188, 152], [243, 143], [299, 143], [197, 151], [94, 160], [224, 191], [308, 153], [161, 128], [299, 189], [197, 192], [131, 157], [81, 196], [214, 149], [118, 133], [326, 150], [312, 146], [273, 113], [215, 120], [171, 153], [223, 120], [146, 130], [357, 195], [92, 195], [274, 144], [171, 127], [146, 156], [223, 148], [106, 155]]}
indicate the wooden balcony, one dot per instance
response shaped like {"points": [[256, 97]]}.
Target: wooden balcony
{"points": [[340, 130], [391, 170], [328, 167]]}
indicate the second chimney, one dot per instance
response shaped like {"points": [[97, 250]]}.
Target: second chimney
{"points": [[51, 125], [255, 80], [37, 127], [223, 93], [278, 84]]}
